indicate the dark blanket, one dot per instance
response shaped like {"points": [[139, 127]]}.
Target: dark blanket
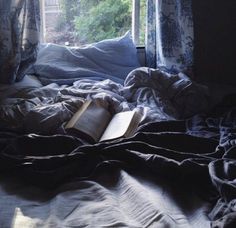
{"points": [[198, 153]]}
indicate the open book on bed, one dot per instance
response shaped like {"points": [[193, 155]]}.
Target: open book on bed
{"points": [[95, 123]]}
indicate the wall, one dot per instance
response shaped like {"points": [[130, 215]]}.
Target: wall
{"points": [[215, 40]]}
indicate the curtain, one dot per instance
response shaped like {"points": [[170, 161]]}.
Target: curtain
{"points": [[19, 37], [169, 36]]}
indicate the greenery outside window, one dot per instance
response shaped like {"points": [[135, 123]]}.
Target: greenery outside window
{"points": [[79, 22]]}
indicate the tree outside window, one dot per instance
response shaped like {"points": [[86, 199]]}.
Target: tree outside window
{"points": [[79, 22]]}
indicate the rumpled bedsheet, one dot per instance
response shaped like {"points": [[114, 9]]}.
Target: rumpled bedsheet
{"points": [[35, 148], [197, 153], [156, 94]]}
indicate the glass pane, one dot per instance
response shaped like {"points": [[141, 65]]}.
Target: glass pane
{"points": [[142, 28], [79, 22]]}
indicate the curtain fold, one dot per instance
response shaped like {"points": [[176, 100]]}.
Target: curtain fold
{"points": [[169, 35], [19, 37]]}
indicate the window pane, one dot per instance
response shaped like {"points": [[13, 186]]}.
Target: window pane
{"points": [[79, 22], [142, 27]]}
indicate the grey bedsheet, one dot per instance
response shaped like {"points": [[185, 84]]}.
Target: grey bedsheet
{"points": [[117, 199], [28, 82], [114, 199], [158, 95]]}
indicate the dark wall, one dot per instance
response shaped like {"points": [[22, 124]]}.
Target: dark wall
{"points": [[215, 40]]}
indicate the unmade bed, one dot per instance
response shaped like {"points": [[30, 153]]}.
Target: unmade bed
{"points": [[178, 170]]}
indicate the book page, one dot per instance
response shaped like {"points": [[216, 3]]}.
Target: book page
{"points": [[134, 124], [77, 115], [93, 121], [118, 126]]}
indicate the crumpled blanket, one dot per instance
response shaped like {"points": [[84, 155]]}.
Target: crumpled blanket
{"points": [[156, 94], [179, 96], [197, 153]]}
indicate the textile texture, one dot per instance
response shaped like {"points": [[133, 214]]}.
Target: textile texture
{"points": [[19, 36], [196, 154], [169, 43]]}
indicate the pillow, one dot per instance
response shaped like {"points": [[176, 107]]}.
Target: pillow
{"points": [[108, 59], [12, 90]]}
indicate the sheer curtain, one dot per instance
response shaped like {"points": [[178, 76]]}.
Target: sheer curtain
{"points": [[19, 37], [169, 37]]}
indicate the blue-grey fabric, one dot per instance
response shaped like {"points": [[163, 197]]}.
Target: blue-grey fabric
{"points": [[169, 40], [108, 59], [19, 36]]}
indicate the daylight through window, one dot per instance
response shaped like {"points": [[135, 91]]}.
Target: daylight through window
{"points": [[79, 22]]}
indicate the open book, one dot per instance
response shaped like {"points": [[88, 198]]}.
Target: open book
{"points": [[95, 123]]}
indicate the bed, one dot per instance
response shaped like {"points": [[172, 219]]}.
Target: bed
{"points": [[178, 170]]}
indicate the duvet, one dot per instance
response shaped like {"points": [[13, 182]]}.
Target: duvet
{"points": [[180, 147]]}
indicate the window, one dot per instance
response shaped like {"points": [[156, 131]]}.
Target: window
{"points": [[79, 22]]}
